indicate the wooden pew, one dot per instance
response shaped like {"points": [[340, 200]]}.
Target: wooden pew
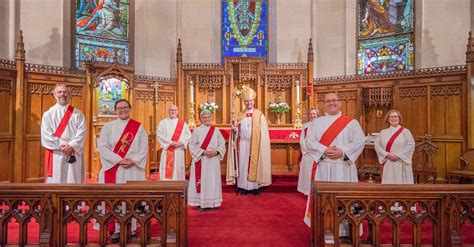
{"points": [[442, 207], [465, 171], [157, 205]]}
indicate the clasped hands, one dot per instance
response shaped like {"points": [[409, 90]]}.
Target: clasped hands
{"points": [[392, 157], [177, 144], [333, 152], [209, 153], [126, 163], [67, 149]]}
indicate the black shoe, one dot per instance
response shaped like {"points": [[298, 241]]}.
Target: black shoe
{"points": [[242, 191], [133, 235], [199, 209], [115, 237], [255, 192]]}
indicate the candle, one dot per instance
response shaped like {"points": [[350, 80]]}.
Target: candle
{"points": [[191, 92], [297, 92]]}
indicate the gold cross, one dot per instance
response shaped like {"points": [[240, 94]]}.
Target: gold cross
{"points": [[155, 86]]}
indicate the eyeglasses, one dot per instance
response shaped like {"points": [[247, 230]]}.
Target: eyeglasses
{"points": [[394, 116], [331, 101], [122, 108]]}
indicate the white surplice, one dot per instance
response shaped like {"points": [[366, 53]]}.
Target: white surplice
{"points": [[138, 152], [164, 133], [306, 164], [211, 185], [351, 140], [399, 172], [74, 134]]}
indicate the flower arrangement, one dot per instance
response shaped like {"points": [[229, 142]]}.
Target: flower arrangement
{"points": [[212, 107], [282, 107]]}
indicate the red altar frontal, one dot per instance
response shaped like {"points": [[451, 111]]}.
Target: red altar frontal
{"points": [[284, 150]]}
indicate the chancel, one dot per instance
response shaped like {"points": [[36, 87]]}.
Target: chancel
{"points": [[237, 122]]}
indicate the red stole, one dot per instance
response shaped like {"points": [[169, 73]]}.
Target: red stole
{"points": [[170, 151], [121, 148], [48, 154], [326, 139], [390, 143], [197, 165]]}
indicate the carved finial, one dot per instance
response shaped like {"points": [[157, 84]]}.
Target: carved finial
{"points": [[470, 49], [179, 54], [20, 46], [310, 50]]}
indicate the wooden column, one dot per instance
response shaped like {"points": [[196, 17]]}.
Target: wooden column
{"points": [[20, 113], [310, 94], [469, 97], [180, 83]]}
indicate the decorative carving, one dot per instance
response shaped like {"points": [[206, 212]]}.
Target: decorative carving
{"points": [[427, 149], [144, 95], [347, 95], [446, 90], [470, 49], [199, 66], [5, 86], [413, 92], [404, 74], [310, 50], [44, 89], [20, 47], [244, 72], [377, 97], [208, 82], [7, 64], [53, 69], [179, 53], [278, 82], [151, 79], [166, 97], [299, 66]]}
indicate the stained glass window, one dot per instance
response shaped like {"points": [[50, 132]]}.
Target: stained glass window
{"points": [[385, 36], [244, 28], [109, 90], [102, 31]]}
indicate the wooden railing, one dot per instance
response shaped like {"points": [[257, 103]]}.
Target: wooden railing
{"points": [[60, 215], [391, 215]]}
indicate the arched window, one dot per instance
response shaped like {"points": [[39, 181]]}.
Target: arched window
{"points": [[244, 28]]}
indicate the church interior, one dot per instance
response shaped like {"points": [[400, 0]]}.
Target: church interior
{"points": [[415, 56]]}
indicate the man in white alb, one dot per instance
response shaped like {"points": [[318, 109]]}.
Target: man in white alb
{"points": [[63, 133], [336, 141], [123, 148], [307, 163], [173, 135]]}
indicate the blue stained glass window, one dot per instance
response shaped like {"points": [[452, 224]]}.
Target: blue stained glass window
{"points": [[244, 28], [102, 31]]}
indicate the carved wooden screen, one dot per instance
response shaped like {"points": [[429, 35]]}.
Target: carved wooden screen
{"points": [[7, 97], [430, 101]]}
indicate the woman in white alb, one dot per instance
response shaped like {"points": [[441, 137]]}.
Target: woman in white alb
{"points": [[306, 164], [395, 146]]}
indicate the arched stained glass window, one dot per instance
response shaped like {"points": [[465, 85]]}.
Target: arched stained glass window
{"points": [[244, 28], [385, 36], [102, 31]]}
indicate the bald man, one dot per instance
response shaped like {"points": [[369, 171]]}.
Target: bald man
{"points": [[173, 135]]}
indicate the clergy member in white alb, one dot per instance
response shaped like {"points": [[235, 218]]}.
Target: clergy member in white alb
{"points": [[63, 132], [173, 135], [395, 146], [207, 148], [335, 141], [307, 162], [123, 148], [253, 167]]}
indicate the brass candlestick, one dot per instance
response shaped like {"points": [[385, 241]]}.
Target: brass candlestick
{"points": [[298, 122], [192, 121]]}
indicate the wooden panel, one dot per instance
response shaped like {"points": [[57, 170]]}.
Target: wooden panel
{"points": [[454, 115], [453, 152], [7, 112], [438, 115], [6, 156], [34, 171]]}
